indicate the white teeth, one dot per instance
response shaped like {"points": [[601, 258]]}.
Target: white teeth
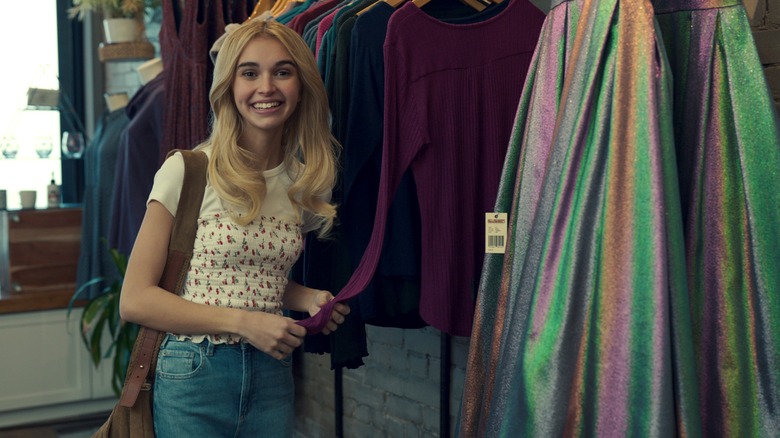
{"points": [[261, 105]]}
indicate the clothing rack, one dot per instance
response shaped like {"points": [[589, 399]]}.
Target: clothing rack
{"points": [[338, 393], [444, 385]]}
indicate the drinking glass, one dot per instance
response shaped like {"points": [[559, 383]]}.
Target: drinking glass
{"points": [[43, 146], [72, 144], [10, 147]]}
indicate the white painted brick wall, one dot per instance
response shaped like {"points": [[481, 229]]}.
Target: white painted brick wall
{"points": [[766, 30], [395, 394]]}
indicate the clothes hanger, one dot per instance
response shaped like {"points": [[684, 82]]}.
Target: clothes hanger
{"points": [[393, 3], [260, 7], [476, 4], [279, 7], [360, 12]]}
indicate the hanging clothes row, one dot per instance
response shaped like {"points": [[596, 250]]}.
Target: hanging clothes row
{"points": [[443, 125], [639, 285], [392, 297]]}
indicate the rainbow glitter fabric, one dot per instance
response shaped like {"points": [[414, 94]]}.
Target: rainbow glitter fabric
{"points": [[727, 138], [639, 292]]}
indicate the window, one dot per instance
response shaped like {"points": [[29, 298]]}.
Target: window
{"points": [[30, 136]]}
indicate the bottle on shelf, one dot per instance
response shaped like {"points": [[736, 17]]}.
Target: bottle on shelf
{"points": [[54, 193]]}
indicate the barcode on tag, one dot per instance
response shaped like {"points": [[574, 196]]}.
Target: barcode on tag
{"points": [[495, 241], [495, 233]]}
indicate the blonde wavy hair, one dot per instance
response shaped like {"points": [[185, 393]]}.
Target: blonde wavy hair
{"points": [[306, 138]]}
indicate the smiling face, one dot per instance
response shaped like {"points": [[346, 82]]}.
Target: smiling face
{"points": [[266, 91]]}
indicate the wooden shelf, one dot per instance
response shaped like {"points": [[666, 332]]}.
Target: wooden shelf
{"points": [[50, 300], [135, 51], [43, 249]]}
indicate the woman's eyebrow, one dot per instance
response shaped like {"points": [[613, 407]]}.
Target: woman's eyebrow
{"points": [[256, 65]]}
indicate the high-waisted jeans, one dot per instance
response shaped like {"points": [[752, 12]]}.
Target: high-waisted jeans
{"points": [[218, 390]]}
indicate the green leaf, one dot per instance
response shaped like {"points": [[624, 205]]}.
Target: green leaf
{"points": [[94, 309], [95, 342], [78, 292], [102, 311], [120, 260], [112, 315], [91, 311]]}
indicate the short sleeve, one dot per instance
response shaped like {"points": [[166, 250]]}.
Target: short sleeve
{"points": [[167, 183], [310, 221]]}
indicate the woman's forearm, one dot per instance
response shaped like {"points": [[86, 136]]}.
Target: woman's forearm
{"points": [[298, 297]]}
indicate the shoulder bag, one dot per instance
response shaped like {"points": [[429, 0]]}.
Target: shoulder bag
{"points": [[132, 416]]}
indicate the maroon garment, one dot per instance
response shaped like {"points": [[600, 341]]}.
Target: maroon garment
{"points": [[451, 93], [323, 27], [185, 54], [239, 10]]}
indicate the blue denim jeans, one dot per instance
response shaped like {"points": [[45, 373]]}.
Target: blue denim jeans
{"points": [[218, 390]]}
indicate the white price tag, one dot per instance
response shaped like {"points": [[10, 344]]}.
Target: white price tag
{"points": [[495, 233]]}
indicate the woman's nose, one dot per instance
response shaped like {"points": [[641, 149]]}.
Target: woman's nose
{"points": [[265, 84]]}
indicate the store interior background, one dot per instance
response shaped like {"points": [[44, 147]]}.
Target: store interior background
{"points": [[411, 382]]}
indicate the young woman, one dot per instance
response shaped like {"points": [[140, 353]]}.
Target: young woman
{"points": [[224, 367]]}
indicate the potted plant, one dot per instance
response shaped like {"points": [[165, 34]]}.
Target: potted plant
{"points": [[123, 20], [102, 312]]}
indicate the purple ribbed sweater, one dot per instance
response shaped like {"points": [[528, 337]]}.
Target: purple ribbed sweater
{"points": [[451, 93]]}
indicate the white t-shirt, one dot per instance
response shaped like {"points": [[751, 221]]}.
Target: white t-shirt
{"points": [[232, 265], [170, 176]]}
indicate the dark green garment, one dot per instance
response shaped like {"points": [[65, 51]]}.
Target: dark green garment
{"points": [[99, 170], [289, 15], [338, 38]]}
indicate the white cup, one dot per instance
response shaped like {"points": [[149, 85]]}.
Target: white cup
{"points": [[3, 200], [28, 198]]}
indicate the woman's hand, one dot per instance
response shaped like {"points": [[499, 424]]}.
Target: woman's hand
{"points": [[273, 334], [340, 310]]}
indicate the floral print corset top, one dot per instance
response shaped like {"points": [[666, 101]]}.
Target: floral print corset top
{"points": [[241, 267]]}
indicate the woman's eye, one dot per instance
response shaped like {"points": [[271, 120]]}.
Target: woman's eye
{"points": [[283, 73], [248, 73]]}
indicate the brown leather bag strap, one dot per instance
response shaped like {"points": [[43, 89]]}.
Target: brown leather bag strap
{"points": [[144, 355], [186, 222], [145, 347]]}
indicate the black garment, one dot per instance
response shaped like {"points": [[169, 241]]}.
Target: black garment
{"points": [[137, 162], [392, 298]]}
